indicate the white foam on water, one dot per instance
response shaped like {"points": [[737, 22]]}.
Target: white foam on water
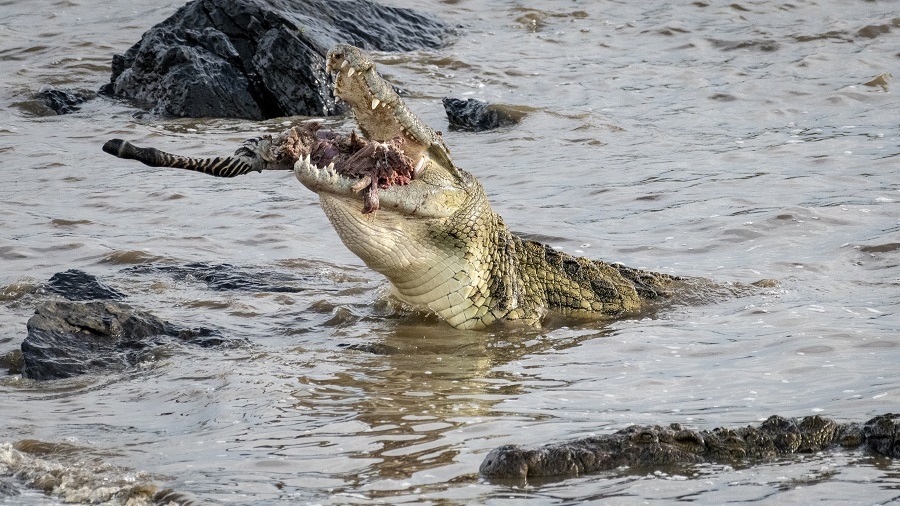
{"points": [[80, 481]]}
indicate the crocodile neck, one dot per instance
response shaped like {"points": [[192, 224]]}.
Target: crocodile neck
{"points": [[471, 270]]}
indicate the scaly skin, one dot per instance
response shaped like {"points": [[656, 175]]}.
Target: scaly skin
{"points": [[653, 447], [436, 240]]}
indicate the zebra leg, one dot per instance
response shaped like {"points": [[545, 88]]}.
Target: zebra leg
{"points": [[220, 166]]}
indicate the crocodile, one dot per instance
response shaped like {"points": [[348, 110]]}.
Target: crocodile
{"points": [[644, 448], [421, 221]]}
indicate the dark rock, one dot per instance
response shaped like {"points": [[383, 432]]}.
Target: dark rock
{"points": [[204, 338], [225, 277], [74, 284], [67, 339], [63, 101], [258, 58], [477, 116]]}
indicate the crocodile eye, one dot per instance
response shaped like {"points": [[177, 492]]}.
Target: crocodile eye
{"points": [[687, 437], [645, 436]]}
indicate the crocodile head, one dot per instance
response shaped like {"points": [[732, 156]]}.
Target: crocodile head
{"points": [[417, 237], [437, 186]]}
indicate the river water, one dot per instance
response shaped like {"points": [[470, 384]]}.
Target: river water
{"points": [[730, 141]]}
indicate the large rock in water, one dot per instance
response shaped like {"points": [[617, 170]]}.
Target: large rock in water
{"points": [[258, 59], [476, 116], [67, 338]]}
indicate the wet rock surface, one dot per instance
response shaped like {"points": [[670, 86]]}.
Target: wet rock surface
{"points": [[75, 284], [478, 116], [258, 59], [655, 447], [68, 338], [63, 101], [226, 277]]}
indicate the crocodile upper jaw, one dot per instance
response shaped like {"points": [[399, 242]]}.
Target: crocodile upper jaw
{"points": [[438, 187]]}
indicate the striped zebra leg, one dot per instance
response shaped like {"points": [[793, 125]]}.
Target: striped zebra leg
{"points": [[246, 160]]}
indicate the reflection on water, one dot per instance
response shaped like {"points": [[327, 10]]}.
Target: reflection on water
{"points": [[726, 143]]}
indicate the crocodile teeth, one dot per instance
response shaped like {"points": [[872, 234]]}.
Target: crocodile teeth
{"points": [[331, 166], [375, 103], [419, 167], [350, 71], [307, 160], [344, 63]]}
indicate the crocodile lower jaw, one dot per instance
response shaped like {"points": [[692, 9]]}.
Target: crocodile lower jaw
{"points": [[324, 179], [418, 199]]}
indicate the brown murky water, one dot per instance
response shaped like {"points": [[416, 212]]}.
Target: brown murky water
{"points": [[732, 141]]}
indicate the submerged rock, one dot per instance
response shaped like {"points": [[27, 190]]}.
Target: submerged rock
{"points": [[226, 277], [63, 101], [75, 284], [477, 116], [67, 338], [258, 59]]}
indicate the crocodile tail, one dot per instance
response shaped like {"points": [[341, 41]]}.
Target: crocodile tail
{"points": [[220, 166]]}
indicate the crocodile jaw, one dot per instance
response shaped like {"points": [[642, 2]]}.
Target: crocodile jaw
{"points": [[405, 239], [379, 111], [438, 188], [421, 198]]}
